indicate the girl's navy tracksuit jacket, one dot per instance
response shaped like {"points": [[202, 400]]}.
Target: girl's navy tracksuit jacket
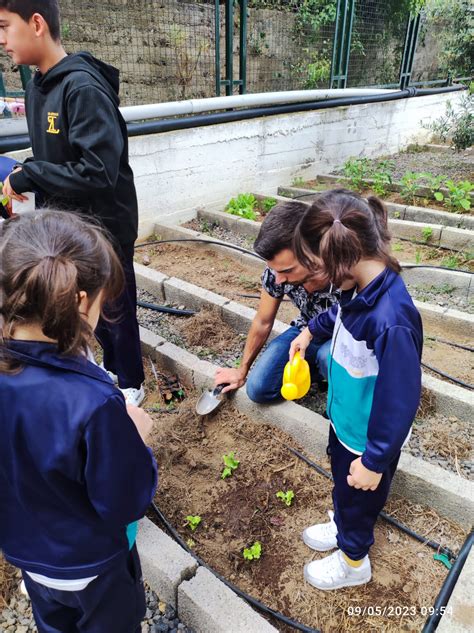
{"points": [[74, 471]]}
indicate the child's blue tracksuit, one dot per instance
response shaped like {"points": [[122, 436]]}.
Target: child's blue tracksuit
{"points": [[374, 390], [74, 473]]}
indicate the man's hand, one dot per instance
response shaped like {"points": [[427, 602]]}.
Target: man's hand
{"points": [[300, 343], [141, 419], [8, 190], [235, 378], [361, 477]]}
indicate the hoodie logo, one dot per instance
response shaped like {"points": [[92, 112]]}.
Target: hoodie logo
{"points": [[52, 116]]}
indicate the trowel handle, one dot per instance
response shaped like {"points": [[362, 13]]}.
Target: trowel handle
{"points": [[219, 388]]}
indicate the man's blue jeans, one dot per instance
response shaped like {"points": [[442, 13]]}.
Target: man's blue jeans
{"points": [[265, 379]]}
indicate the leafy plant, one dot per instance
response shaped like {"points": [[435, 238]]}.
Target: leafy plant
{"points": [[297, 181], [459, 195], [287, 497], [356, 170], [254, 552], [382, 177], [230, 463], [456, 124], [268, 204], [397, 247], [193, 520], [409, 185], [396, 215], [243, 206], [434, 184], [190, 543], [452, 261], [418, 257], [427, 233]]}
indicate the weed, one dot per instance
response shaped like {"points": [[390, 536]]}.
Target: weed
{"points": [[452, 261], [397, 247], [418, 257], [65, 31], [254, 552], [382, 177], [396, 215], [248, 283], [427, 233], [243, 206], [268, 204], [237, 362], [208, 227], [230, 464], [190, 543], [192, 521], [356, 170], [297, 181], [287, 497], [434, 184]]}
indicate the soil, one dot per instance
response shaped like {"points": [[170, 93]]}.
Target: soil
{"points": [[224, 347], [244, 509]]}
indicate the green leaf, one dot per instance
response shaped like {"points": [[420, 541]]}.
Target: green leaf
{"points": [[466, 204], [227, 472], [192, 521], [254, 552], [439, 196]]}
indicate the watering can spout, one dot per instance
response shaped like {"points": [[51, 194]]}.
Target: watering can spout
{"points": [[296, 378]]}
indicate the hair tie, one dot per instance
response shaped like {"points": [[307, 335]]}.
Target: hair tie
{"points": [[337, 221]]}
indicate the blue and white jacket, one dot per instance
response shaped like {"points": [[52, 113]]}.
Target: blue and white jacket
{"points": [[374, 369], [74, 471]]}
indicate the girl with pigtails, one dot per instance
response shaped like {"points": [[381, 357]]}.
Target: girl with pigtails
{"points": [[374, 375], [75, 473]]}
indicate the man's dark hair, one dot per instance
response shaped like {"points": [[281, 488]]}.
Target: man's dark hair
{"points": [[49, 9], [278, 228]]}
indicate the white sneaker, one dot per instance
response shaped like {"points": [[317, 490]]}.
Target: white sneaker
{"points": [[110, 374], [134, 396], [322, 537], [333, 572]]}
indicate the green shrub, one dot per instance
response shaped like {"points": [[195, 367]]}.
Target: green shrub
{"points": [[243, 206]]}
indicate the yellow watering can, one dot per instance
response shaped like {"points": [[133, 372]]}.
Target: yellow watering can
{"points": [[296, 378]]}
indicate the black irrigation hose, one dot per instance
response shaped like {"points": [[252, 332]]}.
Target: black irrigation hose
{"points": [[239, 294], [448, 586], [165, 309], [433, 544], [253, 601], [451, 270], [203, 241], [448, 377], [442, 340]]}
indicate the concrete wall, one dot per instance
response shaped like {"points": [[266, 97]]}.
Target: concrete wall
{"points": [[179, 171]]}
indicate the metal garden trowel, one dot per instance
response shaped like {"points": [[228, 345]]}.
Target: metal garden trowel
{"points": [[209, 401]]}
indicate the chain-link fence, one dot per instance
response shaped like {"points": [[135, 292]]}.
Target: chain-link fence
{"points": [[176, 49]]}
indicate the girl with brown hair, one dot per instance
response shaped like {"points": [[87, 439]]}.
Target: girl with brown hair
{"points": [[374, 375], [74, 469]]}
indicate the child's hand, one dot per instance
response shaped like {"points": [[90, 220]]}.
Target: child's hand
{"points": [[361, 477], [9, 192], [300, 343], [141, 419]]}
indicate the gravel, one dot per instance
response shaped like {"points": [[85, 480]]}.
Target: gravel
{"points": [[159, 617]]}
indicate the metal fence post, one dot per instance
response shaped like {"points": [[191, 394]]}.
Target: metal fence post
{"points": [[342, 43], [25, 75], [411, 39], [229, 82], [243, 46]]}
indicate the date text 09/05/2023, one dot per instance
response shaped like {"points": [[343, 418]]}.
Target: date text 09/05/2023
{"points": [[397, 611]]}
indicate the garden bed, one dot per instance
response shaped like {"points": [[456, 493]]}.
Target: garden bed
{"points": [[209, 337], [404, 250], [243, 509]]}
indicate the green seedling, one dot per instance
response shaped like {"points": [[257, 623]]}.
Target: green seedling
{"points": [[418, 257], [382, 177], [397, 247], [190, 543], [409, 185], [297, 181], [396, 215], [192, 521], [427, 233], [451, 262], [356, 170], [243, 206], [434, 184], [268, 204], [287, 497], [254, 552], [237, 362], [459, 198], [230, 464]]}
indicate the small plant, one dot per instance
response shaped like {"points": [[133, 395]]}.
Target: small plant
{"points": [[409, 185], [427, 233], [452, 261], [456, 124], [297, 181], [190, 543], [459, 195], [230, 464], [192, 521], [243, 206], [397, 247], [268, 204], [254, 552], [434, 184], [237, 362], [356, 170], [66, 31], [396, 215], [287, 497], [418, 257]]}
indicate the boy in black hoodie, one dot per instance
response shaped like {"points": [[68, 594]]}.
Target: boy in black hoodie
{"points": [[80, 163]]}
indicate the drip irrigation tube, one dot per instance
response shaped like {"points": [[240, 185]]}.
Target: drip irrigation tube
{"points": [[253, 601], [448, 586], [442, 340], [452, 270], [165, 309], [448, 376]]}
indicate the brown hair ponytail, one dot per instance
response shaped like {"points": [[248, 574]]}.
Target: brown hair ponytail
{"points": [[46, 260], [340, 227]]}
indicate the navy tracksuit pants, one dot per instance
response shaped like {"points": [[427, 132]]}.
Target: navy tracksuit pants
{"points": [[120, 337], [112, 603], [355, 511]]}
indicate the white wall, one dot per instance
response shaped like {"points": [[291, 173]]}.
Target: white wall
{"points": [[176, 172]]}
